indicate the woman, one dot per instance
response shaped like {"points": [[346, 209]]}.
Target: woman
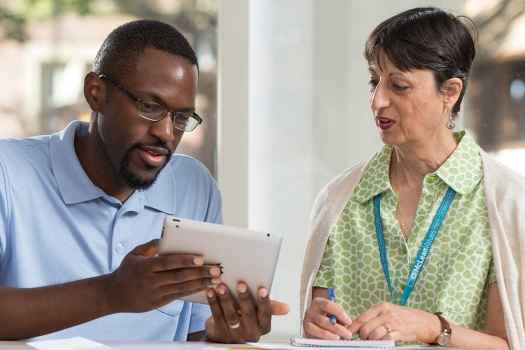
{"points": [[423, 242]]}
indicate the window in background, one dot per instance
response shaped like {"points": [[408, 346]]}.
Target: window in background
{"points": [[48, 47], [496, 97]]}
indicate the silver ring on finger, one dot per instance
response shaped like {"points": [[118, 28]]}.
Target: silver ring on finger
{"points": [[235, 325]]}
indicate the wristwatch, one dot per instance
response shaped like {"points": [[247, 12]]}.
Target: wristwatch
{"points": [[446, 332]]}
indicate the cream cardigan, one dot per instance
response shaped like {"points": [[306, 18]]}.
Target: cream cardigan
{"points": [[505, 196]]}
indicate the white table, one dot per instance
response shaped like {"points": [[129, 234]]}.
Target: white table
{"points": [[19, 345]]}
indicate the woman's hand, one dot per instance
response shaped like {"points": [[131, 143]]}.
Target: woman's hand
{"points": [[317, 323], [395, 322]]}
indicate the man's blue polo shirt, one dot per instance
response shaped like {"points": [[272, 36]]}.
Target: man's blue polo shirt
{"points": [[56, 226]]}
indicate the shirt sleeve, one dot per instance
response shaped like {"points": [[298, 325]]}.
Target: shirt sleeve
{"points": [[199, 314], [214, 213], [325, 275], [4, 210]]}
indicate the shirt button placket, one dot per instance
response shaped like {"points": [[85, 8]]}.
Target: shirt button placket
{"points": [[120, 248], [119, 245]]}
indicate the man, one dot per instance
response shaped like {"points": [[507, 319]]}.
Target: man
{"points": [[81, 210]]}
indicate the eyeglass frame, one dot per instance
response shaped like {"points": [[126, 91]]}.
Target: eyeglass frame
{"points": [[138, 101]]}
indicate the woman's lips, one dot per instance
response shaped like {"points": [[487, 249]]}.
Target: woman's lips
{"points": [[384, 123]]}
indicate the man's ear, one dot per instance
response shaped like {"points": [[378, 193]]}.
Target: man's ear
{"points": [[451, 90], [94, 91]]}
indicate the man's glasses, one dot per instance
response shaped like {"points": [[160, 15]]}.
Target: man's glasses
{"points": [[182, 120]]}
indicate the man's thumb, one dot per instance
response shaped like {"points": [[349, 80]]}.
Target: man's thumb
{"points": [[147, 249]]}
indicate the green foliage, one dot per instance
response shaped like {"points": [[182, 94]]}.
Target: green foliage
{"points": [[15, 17], [12, 25], [190, 16]]}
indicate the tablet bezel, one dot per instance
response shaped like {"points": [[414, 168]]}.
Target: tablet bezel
{"points": [[255, 261]]}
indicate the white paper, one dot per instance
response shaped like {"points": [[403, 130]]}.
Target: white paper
{"points": [[275, 346], [286, 346], [76, 343], [350, 344]]}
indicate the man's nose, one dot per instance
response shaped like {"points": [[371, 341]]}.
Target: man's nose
{"points": [[164, 131]]}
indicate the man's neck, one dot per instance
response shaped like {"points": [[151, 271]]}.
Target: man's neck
{"points": [[411, 162], [96, 164]]}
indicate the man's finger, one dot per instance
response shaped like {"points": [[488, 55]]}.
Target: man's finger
{"points": [[229, 310], [222, 331], [252, 331], [264, 310], [147, 249], [175, 261], [185, 288], [279, 308], [186, 275]]}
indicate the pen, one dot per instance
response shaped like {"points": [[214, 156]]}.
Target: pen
{"points": [[331, 297]]}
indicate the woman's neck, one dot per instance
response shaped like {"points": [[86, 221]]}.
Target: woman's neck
{"points": [[411, 162]]}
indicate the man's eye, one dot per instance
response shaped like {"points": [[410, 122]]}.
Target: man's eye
{"points": [[150, 107], [182, 116]]}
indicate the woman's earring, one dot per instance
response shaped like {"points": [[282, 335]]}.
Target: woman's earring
{"points": [[451, 122]]}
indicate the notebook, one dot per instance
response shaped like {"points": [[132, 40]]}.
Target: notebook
{"points": [[351, 344]]}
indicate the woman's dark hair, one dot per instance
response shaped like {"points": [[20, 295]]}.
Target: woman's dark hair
{"points": [[425, 38]]}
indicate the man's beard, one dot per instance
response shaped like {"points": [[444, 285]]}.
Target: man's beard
{"points": [[134, 180]]}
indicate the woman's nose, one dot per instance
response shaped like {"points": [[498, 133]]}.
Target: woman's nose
{"points": [[379, 97]]}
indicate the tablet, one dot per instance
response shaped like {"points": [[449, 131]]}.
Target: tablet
{"points": [[245, 255]]}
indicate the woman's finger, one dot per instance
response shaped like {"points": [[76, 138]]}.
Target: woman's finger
{"points": [[324, 322], [378, 324], [313, 331], [329, 307], [373, 312]]}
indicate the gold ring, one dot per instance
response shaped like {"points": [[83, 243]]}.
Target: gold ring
{"points": [[388, 329], [235, 325]]}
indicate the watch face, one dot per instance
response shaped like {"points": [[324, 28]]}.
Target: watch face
{"points": [[443, 339]]}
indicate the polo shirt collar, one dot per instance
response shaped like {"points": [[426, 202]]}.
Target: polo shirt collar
{"points": [[73, 183], [161, 194], [76, 187]]}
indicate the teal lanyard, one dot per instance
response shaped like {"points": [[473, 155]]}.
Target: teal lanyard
{"points": [[423, 251]]}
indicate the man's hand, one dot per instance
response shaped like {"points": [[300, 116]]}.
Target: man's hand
{"points": [[145, 280], [317, 323], [242, 322]]}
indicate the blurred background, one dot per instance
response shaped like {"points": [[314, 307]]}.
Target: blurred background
{"points": [[283, 91], [47, 46]]}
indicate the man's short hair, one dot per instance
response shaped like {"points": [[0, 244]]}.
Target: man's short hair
{"points": [[126, 43]]}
